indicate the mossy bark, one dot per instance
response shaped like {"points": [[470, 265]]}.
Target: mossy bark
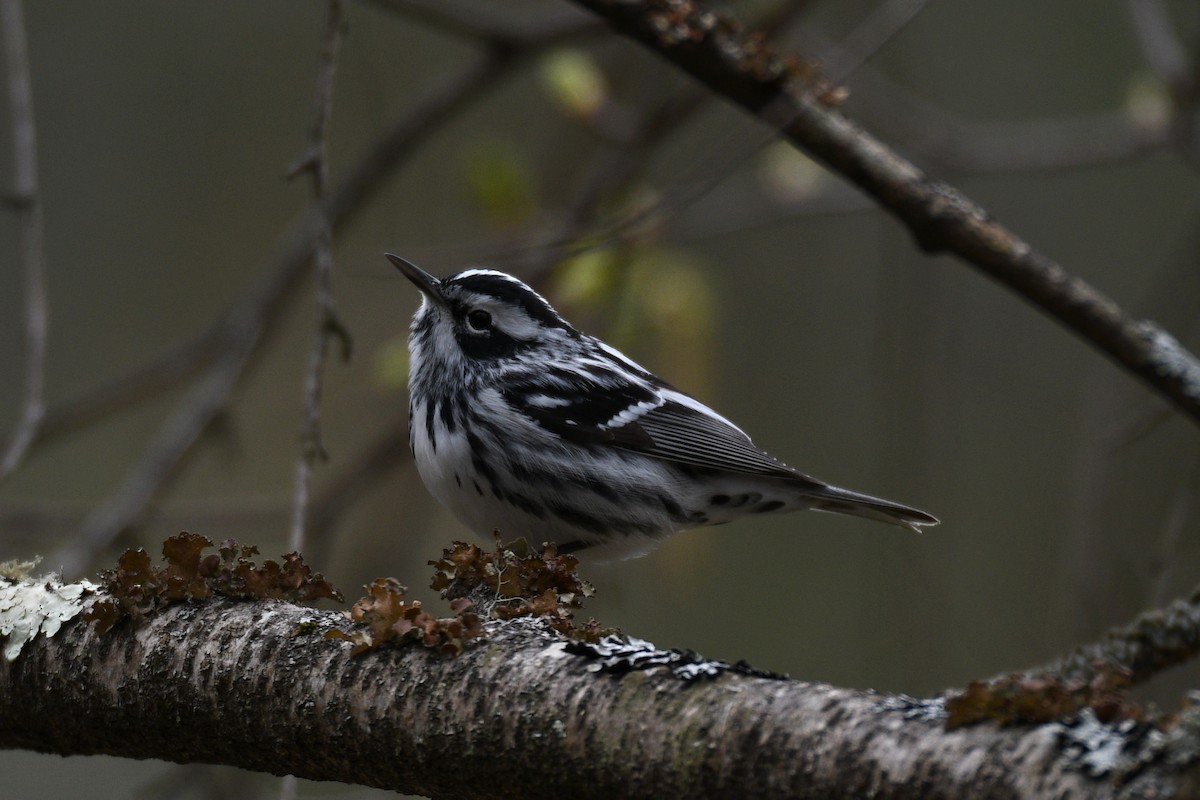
{"points": [[257, 685]]}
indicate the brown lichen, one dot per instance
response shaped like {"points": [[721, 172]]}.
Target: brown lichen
{"points": [[388, 617], [518, 581], [1032, 699], [136, 587]]}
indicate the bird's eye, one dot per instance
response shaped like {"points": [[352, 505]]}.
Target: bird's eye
{"points": [[479, 320]]}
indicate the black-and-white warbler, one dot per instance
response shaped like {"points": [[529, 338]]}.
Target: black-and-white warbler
{"points": [[520, 423]]}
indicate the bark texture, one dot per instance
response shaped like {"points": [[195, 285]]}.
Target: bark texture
{"points": [[257, 685]]}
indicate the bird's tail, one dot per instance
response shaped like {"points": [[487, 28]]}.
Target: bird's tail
{"points": [[844, 501]]}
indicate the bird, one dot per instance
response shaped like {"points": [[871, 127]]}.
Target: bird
{"points": [[523, 425]]}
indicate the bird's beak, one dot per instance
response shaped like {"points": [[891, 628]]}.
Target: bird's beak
{"points": [[430, 286]]}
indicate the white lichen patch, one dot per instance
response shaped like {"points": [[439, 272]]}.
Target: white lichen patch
{"points": [[30, 607]]}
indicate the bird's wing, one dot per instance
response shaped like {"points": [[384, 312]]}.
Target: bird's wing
{"points": [[649, 418], [684, 430]]}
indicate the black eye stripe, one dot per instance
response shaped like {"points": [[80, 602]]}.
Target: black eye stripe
{"points": [[509, 292]]}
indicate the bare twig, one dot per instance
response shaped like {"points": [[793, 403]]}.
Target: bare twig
{"points": [[1168, 59], [1161, 48], [315, 162], [387, 452], [484, 23], [245, 325], [945, 139], [171, 369], [288, 787], [29, 220], [939, 216], [185, 361], [1180, 513], [576, 229], [869, 37], [162, 459]]}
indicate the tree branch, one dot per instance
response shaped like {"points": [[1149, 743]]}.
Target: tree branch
{"points": [[29, 221], [315, 161], [1156, 640], [243, 327], [941, 218], [518, 714]]}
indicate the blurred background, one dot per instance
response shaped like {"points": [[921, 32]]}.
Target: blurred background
{"points": [[677, 228]]}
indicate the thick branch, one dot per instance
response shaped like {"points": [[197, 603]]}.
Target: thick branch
{"points": [[939, 216], [256, 685]]}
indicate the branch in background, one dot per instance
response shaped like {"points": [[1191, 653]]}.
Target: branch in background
{"points": [[484, 23], [1161, 48], [387, 452], [944, 139], [28, 208], [523, 714], [869, 36], [575, 230], [947, 140], [315, 161], [1153, 642], [244, 327], [161, 460], [1169, 61], [941, 218]]}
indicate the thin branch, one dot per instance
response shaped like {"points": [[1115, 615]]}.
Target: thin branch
{"points": [[576, 230], [1179, 514], [947, 140], [871, 35], [315, 162], [940, 217], [246, 324], [171, 369], [387, 452], [162, 459], [740, 208], [1168, 59], [28, 208], [485, 23], [1161, 47]]}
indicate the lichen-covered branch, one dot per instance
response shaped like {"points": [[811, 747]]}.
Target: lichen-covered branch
{"points": [[518, 714], [793, 98], [1156, 640]]}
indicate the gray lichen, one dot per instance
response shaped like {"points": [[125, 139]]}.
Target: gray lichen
{"points": [[29, 607]]}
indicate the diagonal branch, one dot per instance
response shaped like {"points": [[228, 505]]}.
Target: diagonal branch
{"points": [[941, 219], [244, 326], [1154, 641]]}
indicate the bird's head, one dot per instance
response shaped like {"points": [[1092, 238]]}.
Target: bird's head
{"points": [[481, 316]]}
